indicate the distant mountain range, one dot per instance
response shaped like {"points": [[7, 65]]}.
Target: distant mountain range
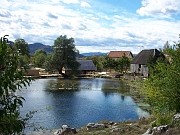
{"points": [[48, 49], [39, 46], [94, 54]]}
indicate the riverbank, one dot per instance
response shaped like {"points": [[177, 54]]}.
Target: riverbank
{"points": [[142, 126], [137, 127]]}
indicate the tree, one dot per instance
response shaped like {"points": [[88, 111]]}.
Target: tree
{"points": [[11, 79], [39, 58], [109, 63], [64, 54], [162, 87], [97, 60], [122, 64], [22, 46]]}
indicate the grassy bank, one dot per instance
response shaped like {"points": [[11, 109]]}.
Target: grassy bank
{"points": [[121, 128]]}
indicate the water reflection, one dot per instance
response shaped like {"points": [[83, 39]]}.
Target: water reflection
{"points": [[78, 102]]}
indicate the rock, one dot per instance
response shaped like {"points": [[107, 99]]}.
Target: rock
{"points": [[149, 132], [65, 126], [111, 123], [160, 129], [115, 124], [65, 130], [116, 130], [114, 127], [176, 117], [90, 124], [95, 126]]}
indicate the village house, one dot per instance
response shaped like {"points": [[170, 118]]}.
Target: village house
{"points": [[139, 65], [32, 72], [86, 67], [119, 54]]}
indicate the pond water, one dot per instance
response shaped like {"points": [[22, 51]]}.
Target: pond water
{"points": [[78, 102]]}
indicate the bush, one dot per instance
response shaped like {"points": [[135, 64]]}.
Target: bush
{"points": [[162, 87]]}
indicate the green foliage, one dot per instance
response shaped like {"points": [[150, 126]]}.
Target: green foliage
{"points": [[98, 61], [39, 58], [109, 63], [64, 54], [122, 64], [22, 46], [162, 87], [11, 80], [163, 119]]}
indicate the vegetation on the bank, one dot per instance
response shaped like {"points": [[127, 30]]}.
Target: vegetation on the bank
{"points": [[11, 80], [162, 88]]}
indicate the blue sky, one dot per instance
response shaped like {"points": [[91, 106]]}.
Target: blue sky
{"points": [[96, 25]]}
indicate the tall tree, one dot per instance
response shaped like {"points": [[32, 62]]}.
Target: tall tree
{"points": [[11, 79], [64, 54], [21, 46]]}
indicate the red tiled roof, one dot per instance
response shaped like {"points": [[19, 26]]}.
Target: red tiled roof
{"points": [[119, 54]]}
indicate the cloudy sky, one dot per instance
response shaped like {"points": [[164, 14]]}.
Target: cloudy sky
{"points": [[96, 25]]}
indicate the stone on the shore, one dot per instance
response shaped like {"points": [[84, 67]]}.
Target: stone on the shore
{"points": [[157, 130], [65, 130], [95, 126], [149, 132], [176, 117], [162, 129], [116, 130]]}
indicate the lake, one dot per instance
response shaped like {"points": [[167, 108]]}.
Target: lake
{"points": [[78, 102]]}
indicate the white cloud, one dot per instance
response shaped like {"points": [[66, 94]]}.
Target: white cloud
{"points": [[4, 13], [162, 8], [71, 1], [85, 4]]}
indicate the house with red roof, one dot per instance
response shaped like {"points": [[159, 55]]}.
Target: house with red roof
{"points": [[119, 54]]}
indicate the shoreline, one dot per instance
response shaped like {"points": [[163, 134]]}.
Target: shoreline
{"points": [[127, 123]]}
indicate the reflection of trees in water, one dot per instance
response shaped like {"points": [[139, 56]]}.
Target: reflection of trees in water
{"points": [[106, 85], [62, 84], [70, 84], [109, 93], [115, 86]]}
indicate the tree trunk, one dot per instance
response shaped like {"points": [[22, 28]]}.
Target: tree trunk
{"points": [[63, 74]]}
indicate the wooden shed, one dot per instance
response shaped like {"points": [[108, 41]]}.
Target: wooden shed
{"points": [[139, 64], [86, 67]]}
